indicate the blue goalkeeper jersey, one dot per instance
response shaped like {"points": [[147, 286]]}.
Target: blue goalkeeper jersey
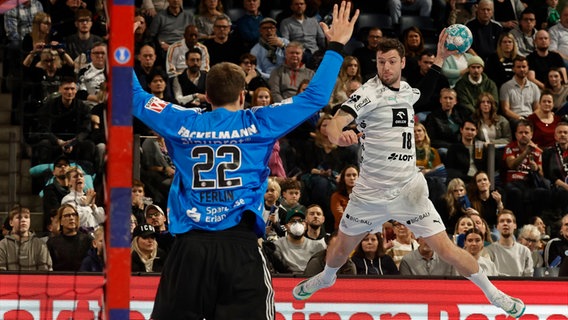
{"points": [[221, 157]]}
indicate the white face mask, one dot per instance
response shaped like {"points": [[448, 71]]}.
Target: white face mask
{"points": [[297, 229]]}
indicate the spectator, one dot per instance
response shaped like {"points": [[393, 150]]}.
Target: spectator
{"points": [[350, 70], [272, 211], [223, 47], [157, 168], [317, 262], [139, 201], [483, 227], [455, 66], [559, 36], [468, 156], [484, 199], [81, 42], [295, 249], [370, 258], [40, 32], [21, 250], [189, 85], [291, 192], [422, 79], [493, 127], [474, 245], [151, 7], [429, 162], [424, 8], [248, 25], [325, 162], [315, 220], [95, 259], [524, 189], [453, 205], [473, 83], [485, 30], [555, 167], [253, 77], [529, 236], [413, 46], [508, 12], [156, 218], [208, 12], [176, 61], [142, 32], [403, 243], [340, 197], [556, 249], [303, 29], [500, 64], [424, 262], [367, 55], [270, 49], [284, 80], [64, 126], [54, 192], [552, 15], [525, 32], [464, 223], [69, 248], [168, 26], [133, 223], [544, 121], [43, 77], [443, 124], [542, 60], [145, 61], [92, 77], [63, 17], [542, 228], [510, 258], [145, 253], [519, 96], [90, 215], [157, 81], [559, 91]]}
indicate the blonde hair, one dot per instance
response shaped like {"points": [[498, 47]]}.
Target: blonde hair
{"points": [[500, 53], [449, 196], [426, 143]]}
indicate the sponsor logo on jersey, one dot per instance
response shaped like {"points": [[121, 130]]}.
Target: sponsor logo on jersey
{"points": [[399, 117], [400, 157], [362, 103], [357, 220], [156, 105], [418, 218], [193, 214], [353, 98]]}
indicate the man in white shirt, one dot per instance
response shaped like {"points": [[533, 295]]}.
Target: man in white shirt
{"points": [[559, 36]]}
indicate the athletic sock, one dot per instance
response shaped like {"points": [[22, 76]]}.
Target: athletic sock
{"points": [[329, 273], [480, 279]]}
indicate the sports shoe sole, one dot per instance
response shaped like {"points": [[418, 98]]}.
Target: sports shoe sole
{"points": [[299, 293]]}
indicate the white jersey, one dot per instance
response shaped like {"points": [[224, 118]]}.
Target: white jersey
{"points": [[386, 119]]}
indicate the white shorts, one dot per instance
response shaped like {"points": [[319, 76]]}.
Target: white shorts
{"points": [[411, 207]]}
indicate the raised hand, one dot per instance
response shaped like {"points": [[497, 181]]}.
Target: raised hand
{"points": [[341, 27], [442, 52]]}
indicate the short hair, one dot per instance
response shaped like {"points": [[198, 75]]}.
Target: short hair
{"points": [[224, 83], [250, 57], [525, 123], [222, 17], [67, 79], [449, 90], [529, 229], [507, 211], [546, 92], [17, 209], [81, 13], [312, 206], [71, 170], [519, 58], [470, 120], [157, 71], [427, 53], [137, 183], [289, 184], [295, 44], [193, 50], [486, 1], [389, 44], [528, 10]]}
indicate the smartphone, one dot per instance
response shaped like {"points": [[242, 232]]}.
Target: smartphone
{"points": [[464, 202]]}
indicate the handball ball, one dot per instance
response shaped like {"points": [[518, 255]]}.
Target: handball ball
{"points": [[459, 38]]}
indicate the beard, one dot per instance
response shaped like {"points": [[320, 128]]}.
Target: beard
{"points": [[194, 69]]}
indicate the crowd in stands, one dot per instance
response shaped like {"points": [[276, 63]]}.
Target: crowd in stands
{"points": [[491, 132]]}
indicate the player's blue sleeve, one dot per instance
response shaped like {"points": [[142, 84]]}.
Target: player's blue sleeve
{"points": [[161, 116], [282, 117]]}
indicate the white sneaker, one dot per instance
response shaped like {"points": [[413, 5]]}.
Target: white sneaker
{"points": [[513, 306], [306, 288]]}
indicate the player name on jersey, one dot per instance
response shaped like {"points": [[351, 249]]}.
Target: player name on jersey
{"points": [[230, 135]]}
